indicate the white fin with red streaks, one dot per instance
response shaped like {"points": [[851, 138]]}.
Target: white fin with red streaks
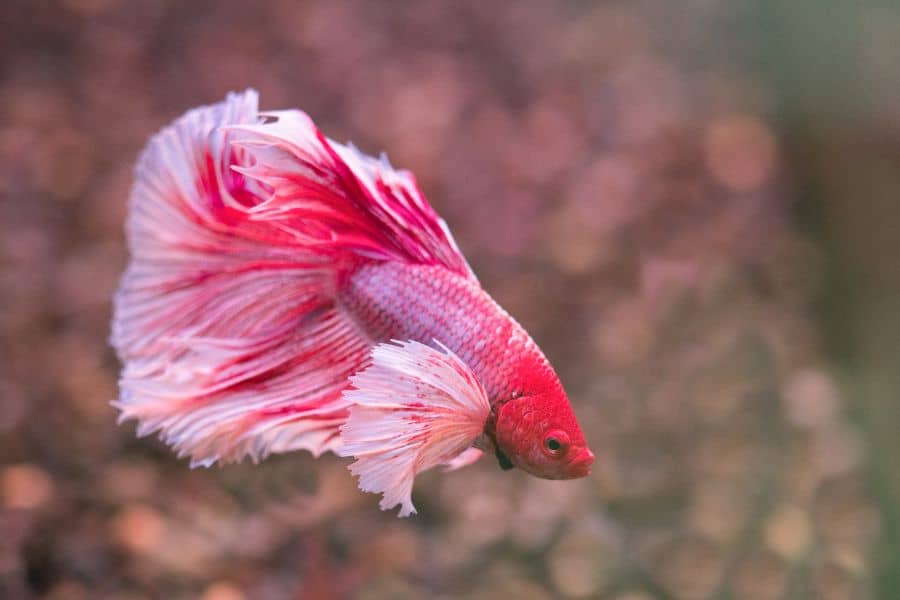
{"points": [[335, 199], [240, 224], [414, 407], [224, 321]]}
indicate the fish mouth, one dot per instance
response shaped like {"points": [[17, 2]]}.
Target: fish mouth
{"points": [[580, 465]]}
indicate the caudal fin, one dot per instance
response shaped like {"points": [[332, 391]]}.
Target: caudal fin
{"points": [[240, 224], [224, 320]]}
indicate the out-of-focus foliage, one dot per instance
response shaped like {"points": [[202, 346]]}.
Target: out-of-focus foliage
{"points": [[692, 206]]}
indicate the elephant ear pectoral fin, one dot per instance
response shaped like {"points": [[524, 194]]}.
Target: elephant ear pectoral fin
{"points": [[413, 408]]}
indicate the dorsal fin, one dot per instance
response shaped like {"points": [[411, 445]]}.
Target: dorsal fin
{"points": [[337, 199]]}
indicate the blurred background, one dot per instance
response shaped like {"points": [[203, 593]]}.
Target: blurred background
{"points": [[694, 207]]}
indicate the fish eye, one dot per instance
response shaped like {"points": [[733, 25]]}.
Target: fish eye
{"points": [[556, 443]]}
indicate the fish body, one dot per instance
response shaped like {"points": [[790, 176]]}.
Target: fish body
{"points": [[288, 292], [394, 301]]}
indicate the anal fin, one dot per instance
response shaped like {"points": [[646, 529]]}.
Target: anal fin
{"points": [[464, 459]]}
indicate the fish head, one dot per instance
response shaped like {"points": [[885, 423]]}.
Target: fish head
{"points": [[539, 434]]}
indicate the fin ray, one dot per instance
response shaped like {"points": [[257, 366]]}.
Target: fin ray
{"points": [[224, 321], [239, 226], [439, 408]]}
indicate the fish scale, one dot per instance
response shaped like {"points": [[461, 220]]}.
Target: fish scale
{"points": [[393, 301]]}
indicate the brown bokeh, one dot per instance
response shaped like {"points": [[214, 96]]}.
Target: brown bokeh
{"points": [[622, 176]]}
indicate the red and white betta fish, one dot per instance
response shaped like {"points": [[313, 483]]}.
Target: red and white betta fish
{"points": [[287, 292]]}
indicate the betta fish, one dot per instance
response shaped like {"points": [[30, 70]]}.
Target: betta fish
{"points": [[288, 292]]}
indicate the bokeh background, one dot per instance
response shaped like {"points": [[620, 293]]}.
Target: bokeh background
{"points": [[693, 206]]}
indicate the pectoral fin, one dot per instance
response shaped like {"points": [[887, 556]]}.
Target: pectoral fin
{"points": [[414, 407], [504, 461]]}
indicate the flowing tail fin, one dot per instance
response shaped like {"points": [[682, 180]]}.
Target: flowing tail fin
{"points": [[224, 320], [240, 225]]}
